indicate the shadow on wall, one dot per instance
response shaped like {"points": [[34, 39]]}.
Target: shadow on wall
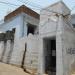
{"points": [[10, 52], [9, 35], [3, 51]]}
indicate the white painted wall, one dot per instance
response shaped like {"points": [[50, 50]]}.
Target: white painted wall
{"points": [[68, 42], [16, 22], [58, 7], [50, 25], [19, 42], [20, 23], [65, 37]]}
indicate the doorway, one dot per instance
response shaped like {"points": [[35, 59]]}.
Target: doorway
{"points": [[50, 55]]}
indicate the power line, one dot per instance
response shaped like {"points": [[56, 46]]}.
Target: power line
{"points": [[7, 3], [39, 7], [26, 2], [73, 8], [35, 5], [19, 5], [31, 4]]}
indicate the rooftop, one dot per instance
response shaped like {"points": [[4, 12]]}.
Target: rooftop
{"points": [[21, 9]]}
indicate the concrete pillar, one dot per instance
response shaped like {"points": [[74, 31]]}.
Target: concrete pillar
{"points": [[59, 47], [41, 58], [8, 45], [1, 49], [25, 28], [21, 33]]}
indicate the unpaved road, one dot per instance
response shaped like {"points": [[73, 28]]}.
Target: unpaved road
{"points": [[6, 69]]}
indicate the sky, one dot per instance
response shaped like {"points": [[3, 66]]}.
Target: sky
{"points": [[36, 5]]}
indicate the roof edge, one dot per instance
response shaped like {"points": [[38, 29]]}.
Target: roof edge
{"points": [[55, 3], [21, 9]]}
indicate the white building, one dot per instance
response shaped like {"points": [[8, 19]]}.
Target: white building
{"points": [[44, 43]]}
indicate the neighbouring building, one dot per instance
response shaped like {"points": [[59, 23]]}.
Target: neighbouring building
{"points": [[42, 42]]}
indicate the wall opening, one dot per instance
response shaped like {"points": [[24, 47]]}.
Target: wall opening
{"points": [[31, 28], [50, 55]]}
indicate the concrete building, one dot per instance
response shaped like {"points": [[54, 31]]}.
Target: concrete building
{"points": [[44, 43], [15, 37]]}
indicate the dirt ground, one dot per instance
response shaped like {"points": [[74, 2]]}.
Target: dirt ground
{"points": [[6, 69]]}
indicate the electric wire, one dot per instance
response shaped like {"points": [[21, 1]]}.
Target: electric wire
{"points": [[27, 2], [73, 8], [38, 7], [7, 3], [31, 3], [35, 6]]}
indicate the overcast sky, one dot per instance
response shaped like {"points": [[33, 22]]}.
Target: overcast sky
{"points": [[34, 4]]}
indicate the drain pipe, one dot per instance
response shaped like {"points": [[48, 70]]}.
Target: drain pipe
{"points": [[23, 59]]}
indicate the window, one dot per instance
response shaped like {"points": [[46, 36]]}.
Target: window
{"points": [[31, 28]]}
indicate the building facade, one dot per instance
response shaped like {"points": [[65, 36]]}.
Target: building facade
{"points": [[42, 43]]}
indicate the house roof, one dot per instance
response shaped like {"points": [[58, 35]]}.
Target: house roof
{"points": [[56, 3], [21, 9]]}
